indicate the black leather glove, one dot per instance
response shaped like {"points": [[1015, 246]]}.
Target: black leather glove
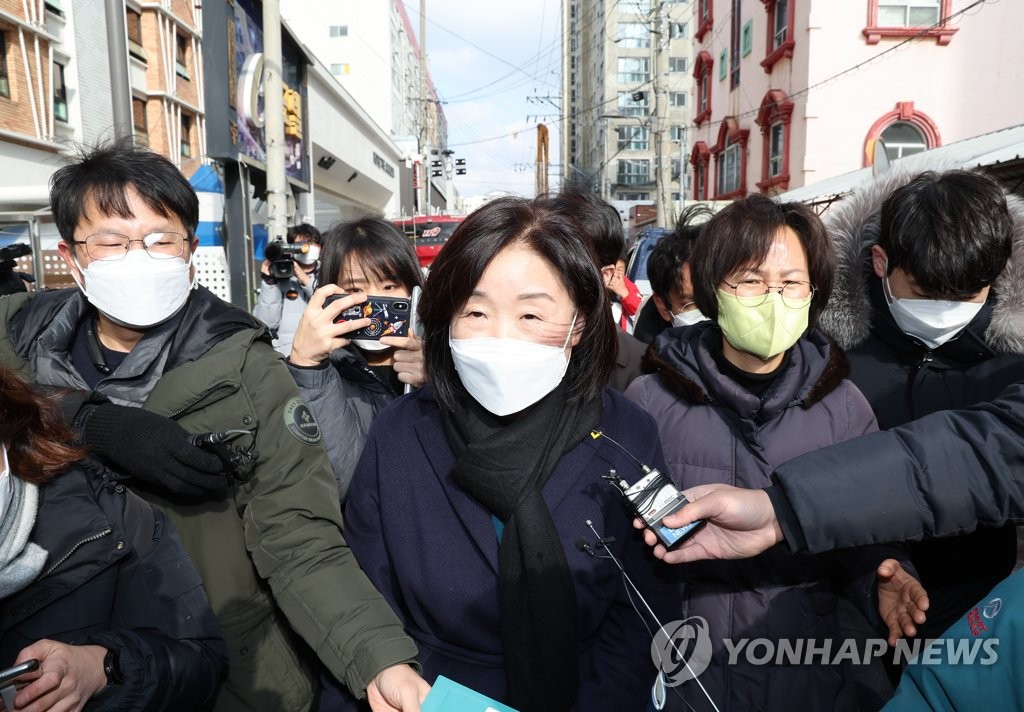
{"points": [[154, 449]]}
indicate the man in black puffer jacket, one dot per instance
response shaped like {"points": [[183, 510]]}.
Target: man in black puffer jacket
{"points": [[929, 306]]}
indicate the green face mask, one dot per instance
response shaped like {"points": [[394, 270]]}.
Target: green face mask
{"points": [[765, 330]]}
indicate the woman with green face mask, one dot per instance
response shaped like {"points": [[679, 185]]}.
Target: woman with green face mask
{"points": [[734, 397]]}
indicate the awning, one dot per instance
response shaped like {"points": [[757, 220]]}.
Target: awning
{"points": [[1000, 153]]}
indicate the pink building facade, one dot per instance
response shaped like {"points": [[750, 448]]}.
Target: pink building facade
{"points": [[791, 92]]}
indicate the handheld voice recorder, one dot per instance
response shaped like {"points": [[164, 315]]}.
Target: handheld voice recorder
{"points": [[652, 498]]}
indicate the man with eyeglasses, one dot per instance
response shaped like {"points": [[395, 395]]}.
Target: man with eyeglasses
{"points": [[153, 358]]}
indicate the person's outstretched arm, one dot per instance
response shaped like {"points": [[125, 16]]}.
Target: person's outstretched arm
{"points": [[944, 474]]}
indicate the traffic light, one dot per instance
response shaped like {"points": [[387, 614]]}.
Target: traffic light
{"points": [[435, 164], [460, 161], [460, 171], [436, 173]]}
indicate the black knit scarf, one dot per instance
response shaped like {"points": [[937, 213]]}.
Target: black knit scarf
{"points": [[504, 464]]}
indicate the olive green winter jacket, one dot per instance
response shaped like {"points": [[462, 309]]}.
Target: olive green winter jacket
{"points": [[284, 585]]}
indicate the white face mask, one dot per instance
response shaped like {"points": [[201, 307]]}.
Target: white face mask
{"points": [[507, 375], [932, 321], [308, 258], [688, 318], [137, 290]]}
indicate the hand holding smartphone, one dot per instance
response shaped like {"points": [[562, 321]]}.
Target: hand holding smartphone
{"points": [[10, 676]]}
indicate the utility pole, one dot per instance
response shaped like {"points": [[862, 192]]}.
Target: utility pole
{"points": [[424, 113], [543, 158], [682, 168], [120, 86], [659, 125], [273, 125]]}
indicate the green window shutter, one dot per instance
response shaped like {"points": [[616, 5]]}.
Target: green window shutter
{"points": [[748, 37], [723, 65]]}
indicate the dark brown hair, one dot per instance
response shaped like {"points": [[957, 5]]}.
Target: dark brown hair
{"points": [[460, 265], [33, 429], [376, 245], [741, 235]]}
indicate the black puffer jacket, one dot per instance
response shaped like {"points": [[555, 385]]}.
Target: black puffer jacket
{"points": [[117, 576], [904, 380]]}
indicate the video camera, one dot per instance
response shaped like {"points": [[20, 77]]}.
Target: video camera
{"points": [[12, 282], [282, 257]]}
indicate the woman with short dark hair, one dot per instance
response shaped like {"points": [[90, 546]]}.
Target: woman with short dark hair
{"points": [[472, 494], [734, 397], [94, 584], [346, 382]]}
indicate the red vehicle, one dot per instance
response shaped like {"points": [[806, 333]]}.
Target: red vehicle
{"points": [[429, 233]]}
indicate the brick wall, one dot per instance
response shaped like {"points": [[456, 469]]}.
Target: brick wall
{"points": [[158, 113], [16, 110]]}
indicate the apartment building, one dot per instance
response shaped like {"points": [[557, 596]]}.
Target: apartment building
{"points": [[627, 96]]}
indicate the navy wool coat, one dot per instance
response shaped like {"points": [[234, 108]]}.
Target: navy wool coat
{"points": [[432, 550]]}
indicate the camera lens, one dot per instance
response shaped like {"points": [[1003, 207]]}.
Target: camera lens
{"points": [[401, 306]]}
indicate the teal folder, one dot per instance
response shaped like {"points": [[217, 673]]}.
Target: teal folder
{"points": [[449, 696]]}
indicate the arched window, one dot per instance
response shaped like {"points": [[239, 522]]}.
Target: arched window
{"points": [[903, 139], [774, 118], [731, 160], [700, 157], [905, 131], [702, 75]]}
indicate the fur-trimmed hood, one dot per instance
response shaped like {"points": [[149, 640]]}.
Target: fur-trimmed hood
{"points": [[854, 228], [683, 361]]}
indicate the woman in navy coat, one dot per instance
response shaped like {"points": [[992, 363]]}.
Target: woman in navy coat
{"points": [[472, 504]]}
